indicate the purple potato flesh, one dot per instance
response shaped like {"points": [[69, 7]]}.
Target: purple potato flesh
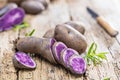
{"points": [[24, 60], [57, 48], [66, 54], [77, 64], [11, 18]]}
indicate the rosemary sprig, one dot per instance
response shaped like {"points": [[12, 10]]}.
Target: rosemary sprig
{"points": [[106, 78], [31, 33], [20, 26], [93, 56]]}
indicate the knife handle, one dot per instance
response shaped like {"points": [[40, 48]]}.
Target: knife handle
{"points": [[112, 32]]}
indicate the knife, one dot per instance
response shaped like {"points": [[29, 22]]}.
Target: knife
{"points": [[112, 32]]}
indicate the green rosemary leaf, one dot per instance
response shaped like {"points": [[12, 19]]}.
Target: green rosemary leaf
{"points": [[90, 49], [93, 56], [31, 33], [106, 78], [102, 55], [20, 26]]}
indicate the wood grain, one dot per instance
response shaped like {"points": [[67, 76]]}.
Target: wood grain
{"points": [[58, 12]]}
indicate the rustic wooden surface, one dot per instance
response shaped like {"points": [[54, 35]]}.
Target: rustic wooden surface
{"points": [[59, 12]]}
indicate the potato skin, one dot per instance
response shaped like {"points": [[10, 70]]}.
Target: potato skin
{"points": [[32, 6], [71, 37], [18, 64], [44, 2], [49, 34], [46, 50], [76, 25], [29, 45]]}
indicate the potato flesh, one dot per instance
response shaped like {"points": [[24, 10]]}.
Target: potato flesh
{"points": [[23, 61], [57, 48], [24, 58], [69, 53], [77, 64]]}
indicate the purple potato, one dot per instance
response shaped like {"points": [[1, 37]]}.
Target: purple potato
{"points": [[76, 25], [49, 34], [44, 2], [23, 61], [70, 37], [11, 18], [41, 46], [57, 48], [77, 64], [65, 55], [33, 6], [46, 49], [29, 44]]}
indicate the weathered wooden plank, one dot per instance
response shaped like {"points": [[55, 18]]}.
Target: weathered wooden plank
{"points": [[7, 50], [2, 3], [57, 13]]}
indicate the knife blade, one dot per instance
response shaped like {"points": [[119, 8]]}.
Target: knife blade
{"points": [[93, 14], [104, 24]]}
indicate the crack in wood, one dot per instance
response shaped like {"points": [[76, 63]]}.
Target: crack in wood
{"points": [[17, 73]]}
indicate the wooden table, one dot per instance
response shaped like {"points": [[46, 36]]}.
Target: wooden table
{"points": [[59, 12]]}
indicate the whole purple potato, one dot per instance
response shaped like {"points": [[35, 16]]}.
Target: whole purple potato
{"points": [[71, 37], [11, 18], [34, 6], [77, 25], [74, 24]]}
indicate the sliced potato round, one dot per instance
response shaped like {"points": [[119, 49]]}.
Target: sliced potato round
{"points": [[65, 55], [57, 48], [77, 64]]}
